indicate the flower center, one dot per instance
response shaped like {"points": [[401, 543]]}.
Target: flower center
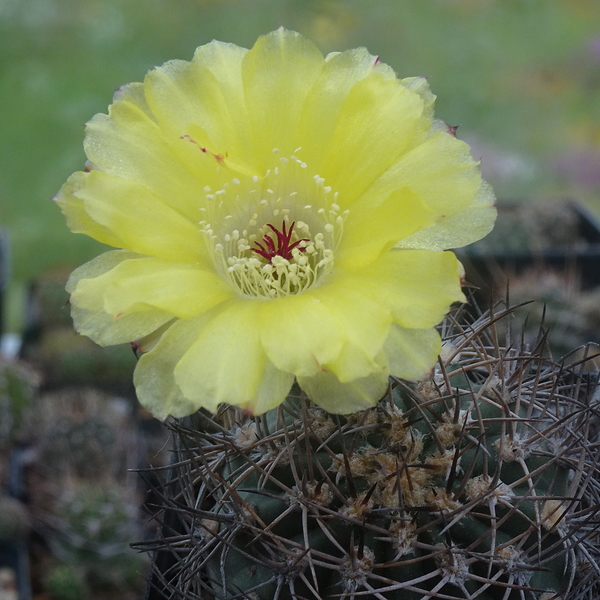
{"points": [[264, 237], [280, 265]]}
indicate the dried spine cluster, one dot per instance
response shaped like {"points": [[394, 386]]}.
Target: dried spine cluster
{"points": [[482, 481]]}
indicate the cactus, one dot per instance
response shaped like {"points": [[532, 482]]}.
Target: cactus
{"points": [[83, 434], [18, 388], [569, 312], [481, 481], [64, 582], [534, 226], [83, 502], [91, 527]]}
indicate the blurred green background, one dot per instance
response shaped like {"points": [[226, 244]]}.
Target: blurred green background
{"points": [[520, 77]]}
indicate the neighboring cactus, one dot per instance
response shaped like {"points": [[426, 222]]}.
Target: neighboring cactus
{"points": [[18, 387], [92, 527], [571, 314], [482, 481], [84, 434], [534, 226], [83, 499], [65, 582]]}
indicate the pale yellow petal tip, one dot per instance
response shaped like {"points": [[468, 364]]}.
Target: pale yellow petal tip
{"points": [[282, 35], [326, 390], [262, 251], [412, 353]]}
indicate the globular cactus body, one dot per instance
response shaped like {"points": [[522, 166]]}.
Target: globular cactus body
{"points": [[481, 481]]}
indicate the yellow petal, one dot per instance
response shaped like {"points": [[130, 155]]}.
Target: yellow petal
{"points": [[371, 229], [440, 170], [299, 333], [208, 95], [225, 63], [147, 342], [418, 286], [226, 363], [326, 390], [90, 320], [380, 120], [420, 85], [140, 221], [178, 288], [459, 229], [365, 323], [412, 353], [98, 266], [133, 93], [78, 219], [88, 310], [353, 363], [272, 389], [154, 377], [339, 74], [129, 144], [278, 74]]}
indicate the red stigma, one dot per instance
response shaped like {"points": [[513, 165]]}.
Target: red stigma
{"points": [[281, 246]]}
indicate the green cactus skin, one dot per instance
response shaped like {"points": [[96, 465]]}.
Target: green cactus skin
{"points": [[482, 481]]}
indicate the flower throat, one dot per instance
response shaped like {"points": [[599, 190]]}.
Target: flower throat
{"points": [[278, 245]]}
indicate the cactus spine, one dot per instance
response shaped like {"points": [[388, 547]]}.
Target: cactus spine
{"points": [[481, 481]]}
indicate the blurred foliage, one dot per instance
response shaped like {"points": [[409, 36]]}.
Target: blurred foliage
{"points": [[521, 78]]}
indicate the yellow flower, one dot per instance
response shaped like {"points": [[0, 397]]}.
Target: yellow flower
{"points": [[279, 215]]}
